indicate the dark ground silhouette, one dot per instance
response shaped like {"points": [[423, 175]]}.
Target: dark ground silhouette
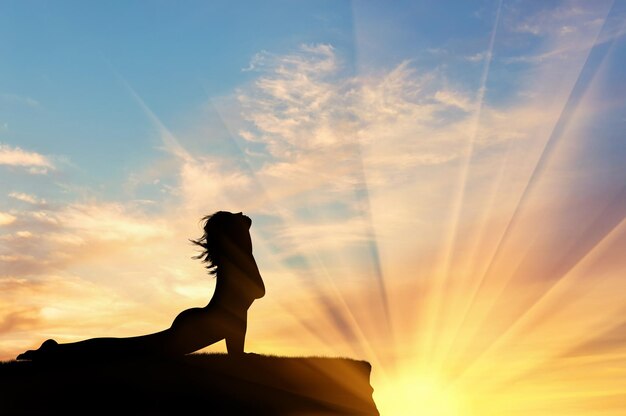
{"points": [[155, 374], [215, 384]]}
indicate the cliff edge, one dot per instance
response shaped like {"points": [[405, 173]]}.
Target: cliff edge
{"points": [[212, 384]]}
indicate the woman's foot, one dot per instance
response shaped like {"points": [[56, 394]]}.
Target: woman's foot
{"points": [[45, 350]]}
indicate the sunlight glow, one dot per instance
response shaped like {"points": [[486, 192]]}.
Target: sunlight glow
{"points": [[412, 393], [452, 211]]}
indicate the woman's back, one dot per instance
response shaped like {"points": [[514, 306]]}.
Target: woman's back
{"points": [[228, 252]]}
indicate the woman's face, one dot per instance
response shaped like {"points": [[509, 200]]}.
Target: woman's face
{"points": [[240, 231], [244, 218]]}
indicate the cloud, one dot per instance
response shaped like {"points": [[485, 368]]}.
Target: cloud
{"points": [[453, 99], [326, 143], [319, 156], [6, 218], [566, 30], [257, 61], [303, 109], [321, 236], [289, 97], [93, 268], [314, 140], [21, 99], [541, 57], [77, 232], [314, 128], [64, 307], [562, 20], [477, 57], [28, 198], [109, 222], [15, 156]]}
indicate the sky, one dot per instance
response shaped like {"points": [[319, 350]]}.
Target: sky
{"points": [[436, 187]]}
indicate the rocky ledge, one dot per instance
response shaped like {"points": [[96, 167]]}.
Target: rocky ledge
{"points": [[212, 384]]}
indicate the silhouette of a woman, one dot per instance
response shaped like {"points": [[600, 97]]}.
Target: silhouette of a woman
{"points": [[228, 254]]}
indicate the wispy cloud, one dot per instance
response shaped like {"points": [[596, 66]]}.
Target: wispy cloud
{"points": [[477, 57], [453, 99], [21, 99], [15, 156], [314, 144], [48, 308], [566, 30], [6, 218], [28, 198], [562, 20], [70, 234], [302, 109]]}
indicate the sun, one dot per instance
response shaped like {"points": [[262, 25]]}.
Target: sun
{"points": [[415, 392]]}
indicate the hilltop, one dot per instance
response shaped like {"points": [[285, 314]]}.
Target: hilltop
{"points": [[197, 383]]}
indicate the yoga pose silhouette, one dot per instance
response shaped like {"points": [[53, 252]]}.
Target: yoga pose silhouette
{"points": [[228, 254]]}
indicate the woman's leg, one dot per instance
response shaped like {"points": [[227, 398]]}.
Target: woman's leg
{"points": [[192, 330], [100, 348]]}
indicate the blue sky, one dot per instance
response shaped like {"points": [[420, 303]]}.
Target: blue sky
{"points": [[407, 166], [69, 59], [65, 64]]}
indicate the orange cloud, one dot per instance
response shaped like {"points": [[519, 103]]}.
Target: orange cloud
{"points": [[15, 156]]}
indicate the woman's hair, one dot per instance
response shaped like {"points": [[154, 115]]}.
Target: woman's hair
{"points": [[221, 230]]}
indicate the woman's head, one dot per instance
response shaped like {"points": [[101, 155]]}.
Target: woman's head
{"points": [[226, 235]]}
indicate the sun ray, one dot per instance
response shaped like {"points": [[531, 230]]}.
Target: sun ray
{"points": [[557, 291], [441, 276], [170, 141], [592, 64], [331, 311], [370, 349], [362, 194], [469, 285], [454, 218], [362, 200]]}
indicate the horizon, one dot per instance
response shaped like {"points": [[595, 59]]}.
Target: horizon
{"points": [[437, 188]]}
